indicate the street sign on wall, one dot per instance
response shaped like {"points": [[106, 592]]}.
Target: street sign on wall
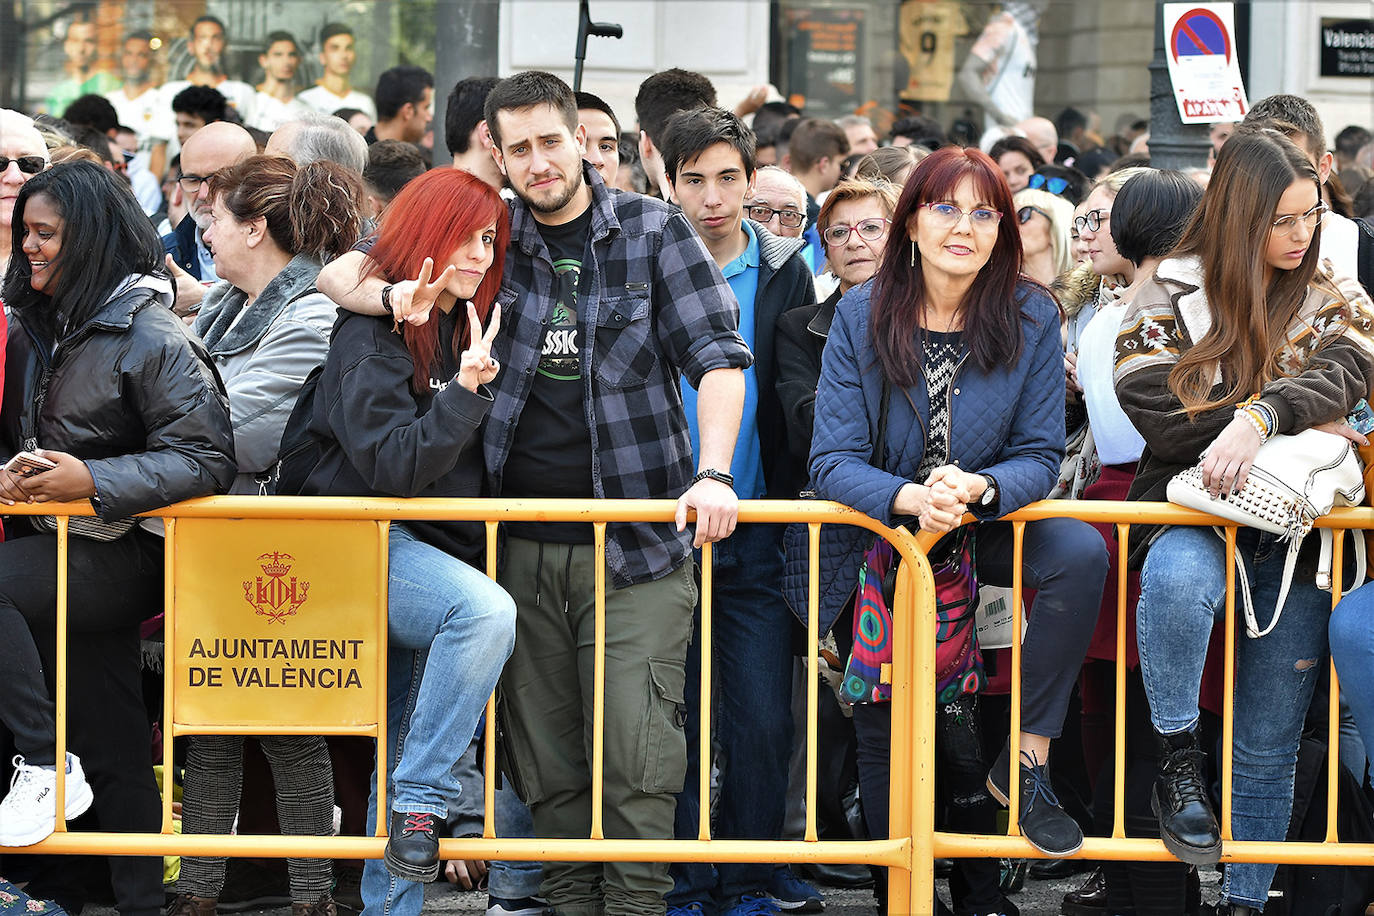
{"points": [[1203, 64], [1347, 47]]}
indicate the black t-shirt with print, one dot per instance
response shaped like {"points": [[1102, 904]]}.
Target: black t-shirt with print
{"points": [[551, 452]]}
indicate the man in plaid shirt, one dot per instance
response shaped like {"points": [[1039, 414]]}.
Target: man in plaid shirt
{"points": [[607, 300]]}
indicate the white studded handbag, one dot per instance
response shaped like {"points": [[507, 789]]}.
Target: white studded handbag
{"points": [[1294, 480]]}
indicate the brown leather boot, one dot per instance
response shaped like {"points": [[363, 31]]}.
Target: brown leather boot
{"points": [[186, 905], [322, 907]]}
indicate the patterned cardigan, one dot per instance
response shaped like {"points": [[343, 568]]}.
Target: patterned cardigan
{"points": [[1327, 361]]}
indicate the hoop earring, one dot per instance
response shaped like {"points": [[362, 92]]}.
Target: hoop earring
{"points": [[913, 252]]}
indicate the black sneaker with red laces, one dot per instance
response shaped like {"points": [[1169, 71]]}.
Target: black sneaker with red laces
{"points": [[412, 852]]}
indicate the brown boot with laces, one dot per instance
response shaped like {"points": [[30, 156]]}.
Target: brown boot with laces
{"points": [[322, 907], [187, 905]]}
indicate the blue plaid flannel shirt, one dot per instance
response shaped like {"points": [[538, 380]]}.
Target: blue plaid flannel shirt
{"points": [[657, 308]]}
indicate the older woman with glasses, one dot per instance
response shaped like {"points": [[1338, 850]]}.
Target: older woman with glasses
{"points": [[854, 223], [22, 156], [957, 357]]}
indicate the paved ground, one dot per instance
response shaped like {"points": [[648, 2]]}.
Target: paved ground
{"points": [[1038, 898]]}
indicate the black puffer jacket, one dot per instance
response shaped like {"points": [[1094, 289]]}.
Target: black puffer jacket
{"points": [[130, 393]]}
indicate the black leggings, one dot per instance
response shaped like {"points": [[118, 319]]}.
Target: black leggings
{"points": [[111, 587]]}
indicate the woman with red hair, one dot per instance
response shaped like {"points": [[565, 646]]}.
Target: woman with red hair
{"points": [[398, 410], [962, 354]]}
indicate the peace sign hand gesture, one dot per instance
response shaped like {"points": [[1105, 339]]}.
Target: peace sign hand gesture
{"points": [[476, 365], [412, 300]]}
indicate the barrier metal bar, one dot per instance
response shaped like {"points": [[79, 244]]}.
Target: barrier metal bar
{"points": [[1018, 536], [169, 556], [60, 749], [489, 730], [599, 685], [813, 674], [1123, 534], [1333, 696], [706, 651], [382, 732], [1228, 688]]}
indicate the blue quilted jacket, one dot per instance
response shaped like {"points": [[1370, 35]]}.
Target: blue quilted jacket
{"points": [[1008, 423]]}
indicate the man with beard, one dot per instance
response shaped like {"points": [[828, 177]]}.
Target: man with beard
{"points": [[608, 298], [207, 43], [139, 104], [213, 147]]}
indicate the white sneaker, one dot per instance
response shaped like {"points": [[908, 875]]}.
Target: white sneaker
{"points": [[28, 814]]}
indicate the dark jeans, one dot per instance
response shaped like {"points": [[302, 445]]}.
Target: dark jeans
{"points": [[111, 588], [961, 794], [752, 730], [1064, 560]]}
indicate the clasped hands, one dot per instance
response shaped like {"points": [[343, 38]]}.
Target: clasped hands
{"points": [[940, 503]]}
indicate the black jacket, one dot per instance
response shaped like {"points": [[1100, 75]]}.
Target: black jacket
{"points": [[180, 243], [801, 342], [130, 393], [784, 283], [381, 439]]}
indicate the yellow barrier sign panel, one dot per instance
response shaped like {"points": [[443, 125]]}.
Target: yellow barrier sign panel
{"points": [[277, 623]]}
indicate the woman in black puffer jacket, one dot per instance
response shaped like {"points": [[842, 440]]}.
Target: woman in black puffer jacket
{"points": [[102, 380]]}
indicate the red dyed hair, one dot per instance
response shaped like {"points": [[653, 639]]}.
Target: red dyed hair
{"points": [[430, 217], [991, 307]]}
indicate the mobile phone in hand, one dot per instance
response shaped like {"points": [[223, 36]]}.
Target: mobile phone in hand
{"points": [[27, 464]]}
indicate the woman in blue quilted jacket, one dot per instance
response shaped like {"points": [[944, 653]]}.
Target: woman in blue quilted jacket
{"points": [[969, 353]]}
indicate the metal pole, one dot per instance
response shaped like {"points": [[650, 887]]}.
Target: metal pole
{"points": [[465, 44], [1173, 144]]}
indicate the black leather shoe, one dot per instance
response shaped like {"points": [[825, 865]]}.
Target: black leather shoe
{"points": [[412, 852], [1186, 822], [1234, 909], [1090, 899], [1056, 869], [1043, 823]]}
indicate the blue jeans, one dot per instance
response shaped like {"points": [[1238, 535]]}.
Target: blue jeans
{"points": [[438, 608], [1182, 595], [513, 880], [751, 696], [1352, 647]]}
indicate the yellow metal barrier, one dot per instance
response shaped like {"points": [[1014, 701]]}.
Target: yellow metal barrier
{"points": [[1119, 847], [913, 845]]}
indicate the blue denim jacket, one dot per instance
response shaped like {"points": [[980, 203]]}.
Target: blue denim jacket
{"points": [[1007, 423]]}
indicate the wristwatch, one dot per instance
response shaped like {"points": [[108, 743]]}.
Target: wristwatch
{"points": [[386, 299], [713, 474], [989, 493]]}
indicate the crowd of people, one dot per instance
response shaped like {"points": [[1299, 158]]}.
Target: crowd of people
{"points": [[725, 305]]}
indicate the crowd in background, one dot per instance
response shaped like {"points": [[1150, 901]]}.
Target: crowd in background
{"points": [[276, 293]]}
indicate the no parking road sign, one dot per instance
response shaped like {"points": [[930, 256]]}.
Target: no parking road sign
{"points": [[1202, 62]]}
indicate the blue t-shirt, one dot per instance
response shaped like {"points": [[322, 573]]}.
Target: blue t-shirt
{"points": [[747, 465]]}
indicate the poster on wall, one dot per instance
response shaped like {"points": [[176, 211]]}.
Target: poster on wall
{"points": [[926, 32], [824, 57], [1203, 64]]}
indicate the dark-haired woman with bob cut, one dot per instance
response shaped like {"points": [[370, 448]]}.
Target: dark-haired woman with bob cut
{"points": [[102, 381], [1240, 335], [970, 352], [399, 412]]}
